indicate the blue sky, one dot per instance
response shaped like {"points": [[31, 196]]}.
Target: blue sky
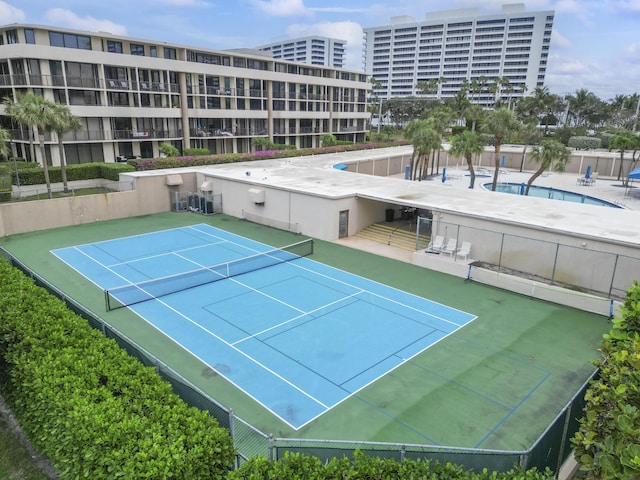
{"points": [[595, 45]]}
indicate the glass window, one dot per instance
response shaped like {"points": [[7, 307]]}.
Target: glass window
{"points": [[114, 47], [170, 53], [137, 49], [12, 36], [29, 35], [153, 51], [56, 39], [84, 43]]}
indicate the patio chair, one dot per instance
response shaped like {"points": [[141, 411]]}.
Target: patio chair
{"points": [[436, 244], [464, 250], [451, 247]]}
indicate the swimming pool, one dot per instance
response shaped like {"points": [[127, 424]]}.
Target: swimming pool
{"points": [[552, 193]]}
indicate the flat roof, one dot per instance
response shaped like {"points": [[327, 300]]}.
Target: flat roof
{"points": [[315, 175]]}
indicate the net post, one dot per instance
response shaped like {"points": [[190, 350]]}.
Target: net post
{"points": [[106, 300]]}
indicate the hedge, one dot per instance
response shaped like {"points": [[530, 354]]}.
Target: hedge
{"points": [[584, 143], [92, 409], [83, 171], [607, 444], [276, 152], [295, 466]]}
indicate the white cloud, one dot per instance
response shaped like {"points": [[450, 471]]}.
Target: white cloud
{"points": [[349, 31], [68, 18], [282, 8], [558, 40], [629, 5], [11, 14], [183, 3]]}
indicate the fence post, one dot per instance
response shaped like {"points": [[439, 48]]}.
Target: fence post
{"points": [[501, 247], [615, 266], [555, 263], [271, 447], [403, 451], [563, 440], [231, 425]]}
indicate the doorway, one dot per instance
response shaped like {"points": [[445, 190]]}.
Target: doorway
{"points": [[343, 224]]}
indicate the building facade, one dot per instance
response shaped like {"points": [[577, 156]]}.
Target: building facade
{"points": [[313, 50], [453, 49], [133, 95]]}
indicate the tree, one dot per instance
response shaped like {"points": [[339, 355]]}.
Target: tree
{"points": [[530, 134], [424, 140], [474, 113], [500, 123], [328, 140], [62, 122], [168, 150], [550, 155], [622, 143], [467, 144], [4, 141], [37, 114]]}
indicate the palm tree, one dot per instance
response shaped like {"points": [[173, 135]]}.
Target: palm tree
{"points": [[551, 154], [37, 114], [424, 140], [62, 122], [4, 140], [530, 133], [621, 143], [500, 123], [467, 144], [474, 113]]}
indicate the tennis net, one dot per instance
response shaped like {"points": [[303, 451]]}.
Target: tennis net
{"points": [[158, 287]]}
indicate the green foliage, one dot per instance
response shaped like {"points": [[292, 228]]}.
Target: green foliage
{"points": [[168, 150], [261, 143], [605, 139], [458, 129], [278, 151], [91, 408], [584, 143], [83, 171], [361, 466], [328, 140], [607, 444], [197, 151]]}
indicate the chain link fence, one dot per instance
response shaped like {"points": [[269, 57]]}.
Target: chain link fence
{"points": [[550, 450], [577, 268]]}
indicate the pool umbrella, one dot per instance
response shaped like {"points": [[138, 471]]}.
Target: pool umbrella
{"points": [[588, 174], [444, 175]]}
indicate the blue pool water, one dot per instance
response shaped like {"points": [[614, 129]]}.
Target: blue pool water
{"points": [[552, 193]]}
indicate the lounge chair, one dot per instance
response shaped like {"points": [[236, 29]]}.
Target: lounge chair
{"points": [[450, 247], [464, 250], [436, 244]]}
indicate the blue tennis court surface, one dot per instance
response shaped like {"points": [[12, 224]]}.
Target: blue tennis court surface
{"points": [[298, 337]]}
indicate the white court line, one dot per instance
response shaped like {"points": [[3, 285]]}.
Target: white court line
{"points": [[304, 314]]}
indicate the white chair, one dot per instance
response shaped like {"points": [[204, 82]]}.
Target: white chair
{"points": [[450, 247], [464, 250], [436, 244]]}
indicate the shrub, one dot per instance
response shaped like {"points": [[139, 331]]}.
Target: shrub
{"points": [[584, 143], [295, 465], [605, 138], [196, 151], [328, 140], [83, 171], [607, 444], [168, 150], [458, 129], [91, 408]]}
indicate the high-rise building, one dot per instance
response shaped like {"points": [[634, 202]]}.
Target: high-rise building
{"points": [[313, 50], [450, 49], [133, 95]]}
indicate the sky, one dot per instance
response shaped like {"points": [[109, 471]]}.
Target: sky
{"points": [[595, 43]]}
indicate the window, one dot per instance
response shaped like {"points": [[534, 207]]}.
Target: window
{"points": [[12, 36], [153, 51], [29, 35], [114, 47], [170, 53], [69, 40], [137, 49]]}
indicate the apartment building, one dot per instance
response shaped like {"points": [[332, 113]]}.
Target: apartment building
{"points": [[313, 50], [451, 48], [133, 95]]}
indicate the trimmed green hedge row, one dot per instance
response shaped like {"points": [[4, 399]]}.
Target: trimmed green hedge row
{"points": [[608, 441], [363, 467], [92, 409], [83, 171], [188, 161]]}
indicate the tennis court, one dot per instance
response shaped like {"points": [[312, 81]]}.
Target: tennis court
{"points": [[297, 336], [496, 383]]}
